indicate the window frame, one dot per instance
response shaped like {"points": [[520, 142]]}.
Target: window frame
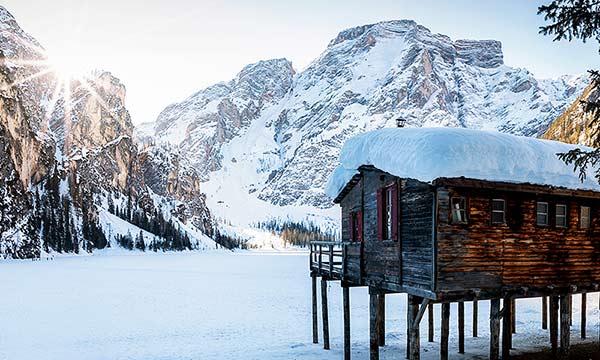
{"points": [[388, 215], [563, 216], [589, 217], [503, 212], [461, 199], [547, 213]]}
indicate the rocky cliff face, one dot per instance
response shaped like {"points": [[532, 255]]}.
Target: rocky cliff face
{"points": [[575, 125], [203, 122], [69, 160], [280, 140]]}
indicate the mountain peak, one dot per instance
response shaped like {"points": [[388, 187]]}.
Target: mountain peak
{"points": [[398, 26], [270, 65]]}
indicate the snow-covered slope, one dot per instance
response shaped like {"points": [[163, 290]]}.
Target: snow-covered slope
{"points": [[269, 138], [428, 154]]}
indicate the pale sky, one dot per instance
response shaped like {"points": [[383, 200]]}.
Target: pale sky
{"points": [[163, 51]]}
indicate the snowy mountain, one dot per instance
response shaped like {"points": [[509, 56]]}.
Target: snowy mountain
{"points": [[267, 140], [72, 177]]}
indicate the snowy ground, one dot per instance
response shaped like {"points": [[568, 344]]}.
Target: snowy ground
{"points": [[213, 305]]}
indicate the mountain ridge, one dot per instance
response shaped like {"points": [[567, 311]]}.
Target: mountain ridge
{"points": [[365, 78]]}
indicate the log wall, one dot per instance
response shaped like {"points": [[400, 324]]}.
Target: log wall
{"points": [[519, 253]]}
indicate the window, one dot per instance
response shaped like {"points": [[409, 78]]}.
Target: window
{"points": [[561, 215], [498, 209], [387, 213], [542, 213], [459, 210], [584, 217], [356, 226]]}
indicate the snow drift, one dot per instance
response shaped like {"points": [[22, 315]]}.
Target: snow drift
{"points": [[426, 154]]}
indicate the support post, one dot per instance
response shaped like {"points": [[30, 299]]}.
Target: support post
{"points": [[408, 326], [506, 327], [445, 330], [570, 302], [381, 320], [461, 327], [346, 301], [513, 320], [475, 317], [544, 312], [494, 329], [373, 343], [430, 321], [413, 327], [565, 324], [315, 317], [583, 314], [325, 313], [554, 323], [416, 313]]}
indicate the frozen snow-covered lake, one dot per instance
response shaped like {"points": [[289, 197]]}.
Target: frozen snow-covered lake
{"points": [[206, 306]]}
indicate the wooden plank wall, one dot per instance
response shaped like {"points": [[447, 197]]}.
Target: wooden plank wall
{"points": [[518, 253], [352, 202], [416, 234], [382, 265]]}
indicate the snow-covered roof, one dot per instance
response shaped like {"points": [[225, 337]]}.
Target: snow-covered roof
{"points": [[426, 154]]}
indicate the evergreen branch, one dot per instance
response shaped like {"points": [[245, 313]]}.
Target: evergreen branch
{"points": [[571, 19]]}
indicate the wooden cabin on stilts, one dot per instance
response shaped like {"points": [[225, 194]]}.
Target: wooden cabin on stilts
{"points": [[456, 216]]}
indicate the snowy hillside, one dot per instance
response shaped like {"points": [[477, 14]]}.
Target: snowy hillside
{"points": [[269, 138]]}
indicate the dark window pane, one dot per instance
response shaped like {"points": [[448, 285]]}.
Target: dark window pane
{"points": [[498, 205], [542, 219], [498, 217], [561, 210]]}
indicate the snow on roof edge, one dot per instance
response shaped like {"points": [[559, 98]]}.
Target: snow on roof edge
{"points": [[426, 154]]}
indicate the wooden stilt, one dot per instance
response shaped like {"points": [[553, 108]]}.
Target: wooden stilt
{"points": [[413, 328], [570, 304], [554, 323], [494, 329], [346, 301], [315, 316], [381, 319], [430, 321], [408, 326], [475, 317], [373, 343], [583, 314], [544, 312], [461, 327], [444, 331], [506, 327], [565, 324], [513, 320], [325, 314]]}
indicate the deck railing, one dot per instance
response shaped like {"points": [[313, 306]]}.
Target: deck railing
{"points": [[326, 258]]}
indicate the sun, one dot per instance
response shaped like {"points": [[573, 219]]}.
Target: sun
{"points": [[69, 66]]}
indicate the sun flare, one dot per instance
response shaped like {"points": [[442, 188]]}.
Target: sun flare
{"points": [[68, 66]]}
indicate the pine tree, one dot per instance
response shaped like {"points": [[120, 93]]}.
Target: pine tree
{"points": [[139, 243], [577, 19]]}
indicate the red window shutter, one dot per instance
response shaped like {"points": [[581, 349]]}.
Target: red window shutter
{"points": [[380, 214], [395, 212], [351, 226], [359, 220]]}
